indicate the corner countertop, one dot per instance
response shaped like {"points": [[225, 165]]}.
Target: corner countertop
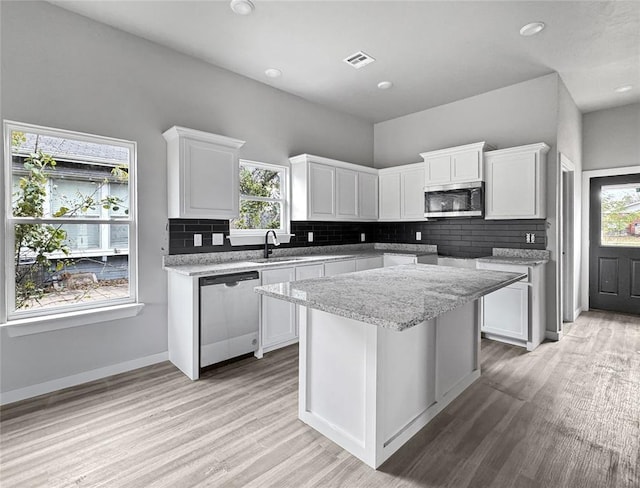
{"points": [[521, 257], [256, 264], [513, 260], [397, 297]]}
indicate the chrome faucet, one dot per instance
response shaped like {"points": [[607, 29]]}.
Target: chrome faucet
{"points": [[268, 251]]}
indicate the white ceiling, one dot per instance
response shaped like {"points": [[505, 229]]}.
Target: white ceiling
{"points": [[433, 52]]}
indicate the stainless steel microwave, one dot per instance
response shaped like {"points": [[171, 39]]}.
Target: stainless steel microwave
{"points": [[455, 200]]}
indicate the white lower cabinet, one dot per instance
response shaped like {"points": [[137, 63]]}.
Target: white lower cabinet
{"points": [[515, 314], [278, 326], [309, 271], [369, 263], [339, 267], [506, 312]]}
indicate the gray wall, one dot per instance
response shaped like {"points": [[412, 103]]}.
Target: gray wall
{"points": [[570, 145], [62, 70], [611, 137], [515, 115]]}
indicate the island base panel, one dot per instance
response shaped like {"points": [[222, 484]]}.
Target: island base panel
{"points": [[370, 389]]}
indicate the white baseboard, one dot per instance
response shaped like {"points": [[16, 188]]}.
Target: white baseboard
{"points": [[576, 313], [77, 379], [552, 336]]}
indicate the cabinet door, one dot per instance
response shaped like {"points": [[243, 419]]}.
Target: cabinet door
{"points": [[309, 271], [339, 267], [412, 192], [278, 323], [321, 192], [369, 263], [397, 259], [506, 312], [466, 166], [438, 170], [210, 181], [368, 196], [346, 194], [390, 196], [512, 187]]}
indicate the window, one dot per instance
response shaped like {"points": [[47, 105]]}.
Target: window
{"points": [[263, 199], [71, 222], [620, 215]]}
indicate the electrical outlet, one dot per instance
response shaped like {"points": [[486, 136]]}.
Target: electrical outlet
{"points": [[362, 237], [217, 239], [197, 240], [418, 236], [310, 237]]}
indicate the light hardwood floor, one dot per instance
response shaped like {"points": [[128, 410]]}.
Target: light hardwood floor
{"points": [[566, 415]]}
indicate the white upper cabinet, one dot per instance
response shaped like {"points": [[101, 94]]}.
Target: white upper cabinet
{"points": [[389, 194], [368, 196], [327, 189], [515, 182], [412, 192], [454, 165], [346, 194], [202, 174], [322, 192], [402, 192]]}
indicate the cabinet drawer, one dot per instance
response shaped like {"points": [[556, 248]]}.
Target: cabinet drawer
{"points": [[309, 271]]}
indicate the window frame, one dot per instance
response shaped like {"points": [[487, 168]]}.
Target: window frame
{"points": [[285, 200], [96, 311]]}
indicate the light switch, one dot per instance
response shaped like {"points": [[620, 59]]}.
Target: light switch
{"points": [[310, 237], [362, 237], [217, 239], [418, 236], [197, 240]]}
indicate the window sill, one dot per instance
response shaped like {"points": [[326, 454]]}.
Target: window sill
{"points": [[248, 239], [36, 325]]}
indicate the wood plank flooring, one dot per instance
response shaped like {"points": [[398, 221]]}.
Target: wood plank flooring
{"points": [[566, 415]]}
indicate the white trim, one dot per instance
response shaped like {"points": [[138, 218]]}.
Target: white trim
{"points": [[476, 146], [566, 300], [304, 158], [177, 131], [66, 320], [586, 191], [241, 237], [80, 378], [553, 336], [252, 239]]}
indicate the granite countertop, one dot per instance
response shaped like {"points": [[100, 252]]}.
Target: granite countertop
{"points": [[522, 257], [396, 297], [513, 260], [253, 264]]}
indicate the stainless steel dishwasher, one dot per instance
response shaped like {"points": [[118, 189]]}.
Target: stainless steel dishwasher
{"points": [[228, 316]]}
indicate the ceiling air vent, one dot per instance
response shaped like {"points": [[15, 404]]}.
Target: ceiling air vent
{"points": [[359, 59]]}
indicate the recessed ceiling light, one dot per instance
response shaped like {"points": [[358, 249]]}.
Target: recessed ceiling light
{"points": [[273, 73], [531, 29], [623, 89], [385, 85], [242, 7]]}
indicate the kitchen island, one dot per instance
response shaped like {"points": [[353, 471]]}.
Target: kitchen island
{"points": [[385, 350]]}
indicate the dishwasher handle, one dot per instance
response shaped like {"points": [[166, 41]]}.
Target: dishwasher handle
{"points": [[229, 279]]}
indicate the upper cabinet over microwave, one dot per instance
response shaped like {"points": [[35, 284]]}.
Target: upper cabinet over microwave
{"points": [[202, 174], [455, 164], [515, 187]]}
